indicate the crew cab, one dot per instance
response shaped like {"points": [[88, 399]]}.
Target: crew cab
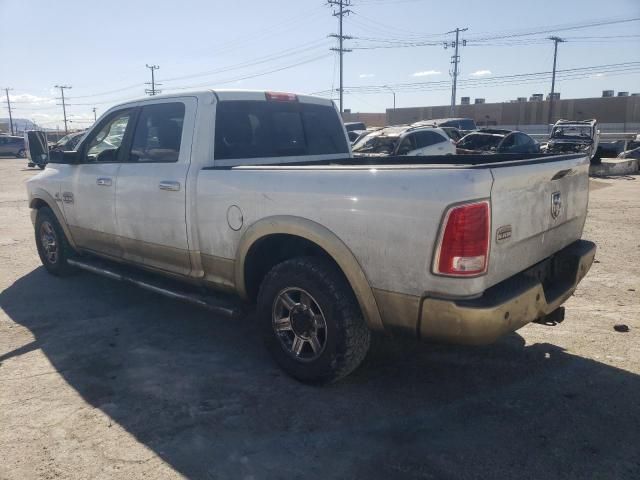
{"points": [[232, 198]]}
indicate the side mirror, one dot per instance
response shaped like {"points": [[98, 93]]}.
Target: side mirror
{"points": [[59, 156]]}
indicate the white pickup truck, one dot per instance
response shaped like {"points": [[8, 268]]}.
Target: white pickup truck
{"points": [[255, 196]]}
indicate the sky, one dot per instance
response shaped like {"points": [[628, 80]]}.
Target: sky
{"points": [[100, 49]]}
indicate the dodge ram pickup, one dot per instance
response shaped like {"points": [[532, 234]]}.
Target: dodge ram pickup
{"points": [[232, 198]]}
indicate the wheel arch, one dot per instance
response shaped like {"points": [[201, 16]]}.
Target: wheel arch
{"points": [[40, 198], [311, 237]]}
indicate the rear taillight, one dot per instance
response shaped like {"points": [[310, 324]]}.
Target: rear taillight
{"points": [[463, 248], [281, 97]]}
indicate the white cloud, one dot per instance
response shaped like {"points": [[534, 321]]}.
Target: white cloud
{"points": [[426, 73], [367, 75], [32, 99], [481, 73]]}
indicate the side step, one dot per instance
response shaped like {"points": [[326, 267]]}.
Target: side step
{"points": [[225, 305]]}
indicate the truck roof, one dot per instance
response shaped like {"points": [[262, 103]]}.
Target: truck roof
{"points": [[235, 94]]}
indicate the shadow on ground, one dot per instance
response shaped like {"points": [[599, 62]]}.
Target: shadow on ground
{"points": [[202, 393]]}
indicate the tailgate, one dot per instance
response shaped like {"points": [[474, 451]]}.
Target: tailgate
{"points": [[537, 208]]}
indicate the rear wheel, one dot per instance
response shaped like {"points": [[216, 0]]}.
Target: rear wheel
{"points": [[53, 248], [310, 320]]}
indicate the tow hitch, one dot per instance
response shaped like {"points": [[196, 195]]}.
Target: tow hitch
{"points": [[552, 319]]}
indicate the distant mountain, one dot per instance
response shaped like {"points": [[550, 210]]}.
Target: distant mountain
{"points": [[20, 125]]}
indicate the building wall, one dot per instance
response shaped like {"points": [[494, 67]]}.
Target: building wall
{"points": [[624, 111], [369, 119]]}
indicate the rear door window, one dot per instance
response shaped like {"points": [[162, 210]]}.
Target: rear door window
{"points": [[263, 129], [426, 139]]}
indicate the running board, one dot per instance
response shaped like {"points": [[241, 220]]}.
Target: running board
{"points": [[221, 304]]}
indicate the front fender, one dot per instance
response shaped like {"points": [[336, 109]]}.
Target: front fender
{"points": [[39, 195], [324, 238]]}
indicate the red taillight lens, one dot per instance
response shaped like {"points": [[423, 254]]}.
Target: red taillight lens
{"points": [[464, 244], [281, 97]]}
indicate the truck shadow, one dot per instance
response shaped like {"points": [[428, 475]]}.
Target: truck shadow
{"points": [[204, 396]]}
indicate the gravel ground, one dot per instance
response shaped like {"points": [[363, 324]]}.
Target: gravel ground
{"points": [[100, 380]]}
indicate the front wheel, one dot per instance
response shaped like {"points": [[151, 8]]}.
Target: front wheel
{"points": [[310, 320], [53, 248]]}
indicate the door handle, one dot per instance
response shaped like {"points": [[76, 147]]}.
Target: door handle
{"points": [[104, 181], [169, 186]]}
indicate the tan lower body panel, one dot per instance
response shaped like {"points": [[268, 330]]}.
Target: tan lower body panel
{"points": [[398, 311]]}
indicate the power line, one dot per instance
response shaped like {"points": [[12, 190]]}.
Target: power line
{"points": [[342, 11], [64, 107], [6, 91], [153, 90]]}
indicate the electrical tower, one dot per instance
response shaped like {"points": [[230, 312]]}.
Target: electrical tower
{"points": [[340, 13], [6, 91], [64, 106], [455, 59], [153, 91], [555, 40]]}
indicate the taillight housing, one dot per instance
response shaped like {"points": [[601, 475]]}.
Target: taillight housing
{"points": [[463, 246]]}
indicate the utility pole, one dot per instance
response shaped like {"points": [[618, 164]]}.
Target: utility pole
{"points": [[64, 107], [340, 13], [455, 59], [152, 91], [394, 95], [555, 40], [6, 90], [95, 117]]}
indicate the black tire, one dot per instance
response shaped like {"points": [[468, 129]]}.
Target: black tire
{"points": [[345, 337], [41, 165], [53, 256], [21, 153]]}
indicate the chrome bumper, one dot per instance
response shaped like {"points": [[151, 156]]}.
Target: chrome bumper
{"points": [[509, 305]]}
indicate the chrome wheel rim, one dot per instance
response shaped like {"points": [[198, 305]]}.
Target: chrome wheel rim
{"points": [[49, 242], [299, 324]]}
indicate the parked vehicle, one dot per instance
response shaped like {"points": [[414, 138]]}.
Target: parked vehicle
{"points": [[633, 153], [465, 125], [405, 140], [12, 145], [68, 142], [351, 126], [489, 140], [574, 136], [256, 196]]}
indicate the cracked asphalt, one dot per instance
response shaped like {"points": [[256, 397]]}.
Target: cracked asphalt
{"points": [[100, 380]]}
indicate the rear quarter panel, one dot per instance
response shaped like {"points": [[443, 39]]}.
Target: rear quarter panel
{"points": [[388, 218]]}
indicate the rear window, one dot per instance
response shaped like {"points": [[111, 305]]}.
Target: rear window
{"points": [[262, 129], [467, 124]]}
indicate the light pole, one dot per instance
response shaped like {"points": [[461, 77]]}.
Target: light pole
{"points": [[394, 95]]}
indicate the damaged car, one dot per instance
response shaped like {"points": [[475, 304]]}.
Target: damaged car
{"points": [[493, 140], [574, 136], [405, 140]]}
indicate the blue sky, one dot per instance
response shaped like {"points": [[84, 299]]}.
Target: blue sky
{"points": [[101, 48]]}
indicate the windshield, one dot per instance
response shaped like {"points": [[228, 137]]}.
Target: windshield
{"points": [[376, 143], [572, 131], [480, 141]]}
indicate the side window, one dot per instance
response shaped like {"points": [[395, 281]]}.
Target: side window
{"points": [[508, 142], [108, 138], [158, 133], [408, 144], [426, 139], [73, 143]]}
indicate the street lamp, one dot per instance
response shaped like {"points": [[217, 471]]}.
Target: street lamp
{"points": [[394, 95]]}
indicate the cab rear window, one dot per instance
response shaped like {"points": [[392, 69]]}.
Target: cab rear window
{"points": [[259, 129]]}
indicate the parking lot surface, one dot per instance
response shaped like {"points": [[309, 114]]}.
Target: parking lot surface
{"points": [[101, 380]]}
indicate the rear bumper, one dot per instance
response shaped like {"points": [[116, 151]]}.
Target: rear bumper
{"points": [[510, 304]]}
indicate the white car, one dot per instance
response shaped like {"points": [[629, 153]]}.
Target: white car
{"points": [[406, 140]]}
